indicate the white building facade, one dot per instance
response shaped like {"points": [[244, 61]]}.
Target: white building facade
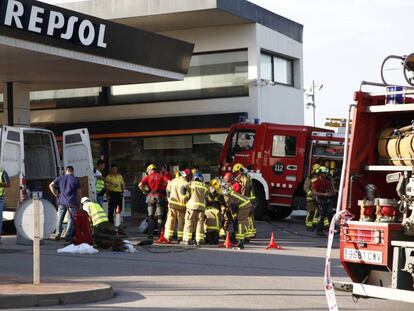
{"points": [[247, 62]]}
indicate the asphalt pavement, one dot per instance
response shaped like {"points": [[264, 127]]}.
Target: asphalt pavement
{"points": [[173, 277]]}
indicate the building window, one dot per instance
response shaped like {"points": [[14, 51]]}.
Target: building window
{"points": [[284, 146], [277, 69], [211, 75]]}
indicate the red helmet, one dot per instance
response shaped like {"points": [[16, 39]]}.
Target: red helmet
{"points": [[228, 177]]}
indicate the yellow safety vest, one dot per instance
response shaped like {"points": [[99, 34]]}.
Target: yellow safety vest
{"points": [[97, 213], [100, 185]]}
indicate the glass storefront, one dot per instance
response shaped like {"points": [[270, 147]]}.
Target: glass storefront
{"points": [[132, 155]]}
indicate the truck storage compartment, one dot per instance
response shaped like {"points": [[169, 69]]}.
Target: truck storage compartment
{"points": [[41, 166]]}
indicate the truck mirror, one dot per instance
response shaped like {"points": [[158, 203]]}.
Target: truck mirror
{"points": [[393, 177], [409, 62]]}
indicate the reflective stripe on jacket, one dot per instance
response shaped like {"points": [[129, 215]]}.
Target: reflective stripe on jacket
{"points": [[197, 193], [246, 186], [96, 212], [233, 198], [178, 197]]}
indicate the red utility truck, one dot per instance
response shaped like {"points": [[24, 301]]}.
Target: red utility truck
{"points": [[278, 158], [377, 245]]}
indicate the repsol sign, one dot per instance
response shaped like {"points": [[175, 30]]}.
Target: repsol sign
{"points": [[42, 23], [37, 18]]}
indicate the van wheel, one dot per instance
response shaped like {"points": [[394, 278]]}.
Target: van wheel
{"points": [[8, 227], [280, 212], [261, 203]]}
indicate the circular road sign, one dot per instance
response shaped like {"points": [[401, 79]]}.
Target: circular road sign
{"points": [[25, 214]]}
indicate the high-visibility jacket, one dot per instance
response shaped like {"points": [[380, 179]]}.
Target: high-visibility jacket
{"points": [[100, 185], [214, 200], [1, 188], [177, 190], [236, 201], [308, 188], [96, 212], [246, 186], [197, 194]]}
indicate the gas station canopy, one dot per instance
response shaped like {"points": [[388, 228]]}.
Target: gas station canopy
{"points": [[49, 47]]}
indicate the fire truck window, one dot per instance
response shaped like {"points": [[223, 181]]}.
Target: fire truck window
{"points": [[284, 146], [243, 141]]}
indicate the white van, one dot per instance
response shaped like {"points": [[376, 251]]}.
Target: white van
{"points": [[30, 157]]}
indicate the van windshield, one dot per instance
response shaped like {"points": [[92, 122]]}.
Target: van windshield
{"points": [[40, 158]]}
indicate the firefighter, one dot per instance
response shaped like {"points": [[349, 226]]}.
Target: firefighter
{"points": [[153, 186], [240, 207], [311, 208], [105, 235], [226, 215], [196, 205], [323, 190], [246, 190], [177, 194], [214, 202]]}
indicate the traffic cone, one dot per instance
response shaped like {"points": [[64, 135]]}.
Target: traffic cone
{"points": [[272, 244], [227, 243], [162, 239]]}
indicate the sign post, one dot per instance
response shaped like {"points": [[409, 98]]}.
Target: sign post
{"points": [[36, 240]]}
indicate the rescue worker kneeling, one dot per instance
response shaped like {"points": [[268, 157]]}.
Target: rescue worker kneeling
{"points": [[240, 207], [214, 202], [105, 235], [196, 205]]}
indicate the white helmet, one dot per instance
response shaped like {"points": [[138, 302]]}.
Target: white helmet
{"points": [[85, 200]]}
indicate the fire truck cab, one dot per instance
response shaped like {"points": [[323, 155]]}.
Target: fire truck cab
{"points": [[278, 158]]}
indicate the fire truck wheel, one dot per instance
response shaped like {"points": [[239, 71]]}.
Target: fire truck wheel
{"points": [[261, 203], [280, 212]]}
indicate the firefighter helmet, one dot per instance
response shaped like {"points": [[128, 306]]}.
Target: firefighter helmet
{"points": [[238, 167], [85, 200], [323, 170], [215, 183], [228, 177], [315, 168], [151, 167], [198, 176]]}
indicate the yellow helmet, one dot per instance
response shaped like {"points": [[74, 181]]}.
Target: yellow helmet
{"points": [[215, 183], [315, 167], [151, 167], [323, 170], [238, 167]]}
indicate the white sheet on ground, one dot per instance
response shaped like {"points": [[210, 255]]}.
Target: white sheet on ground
{"points": [[78, 249]]}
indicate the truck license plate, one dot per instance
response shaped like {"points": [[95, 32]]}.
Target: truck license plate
{"points": [[362, 256]]}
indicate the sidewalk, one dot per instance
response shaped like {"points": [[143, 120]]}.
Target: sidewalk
{"points": [[18, 293]]}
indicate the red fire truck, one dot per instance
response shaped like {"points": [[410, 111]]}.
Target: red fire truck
{"points": [[278, 158], [377, 245]]}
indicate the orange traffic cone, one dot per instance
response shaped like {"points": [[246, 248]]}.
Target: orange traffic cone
{"points": [[227, 243], [272, 244], [162, 239]]}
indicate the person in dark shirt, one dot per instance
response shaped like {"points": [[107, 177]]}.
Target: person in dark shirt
{"points": [[323, 190], [67, 190]]}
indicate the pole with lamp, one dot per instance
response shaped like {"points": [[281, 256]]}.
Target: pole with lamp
{"points": [[311, 98]]}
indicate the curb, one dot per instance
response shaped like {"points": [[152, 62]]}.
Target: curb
{"points": [[97, 293]]}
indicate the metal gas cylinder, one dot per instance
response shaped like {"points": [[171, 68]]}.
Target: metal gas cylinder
{"points": [[387, 210]]}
